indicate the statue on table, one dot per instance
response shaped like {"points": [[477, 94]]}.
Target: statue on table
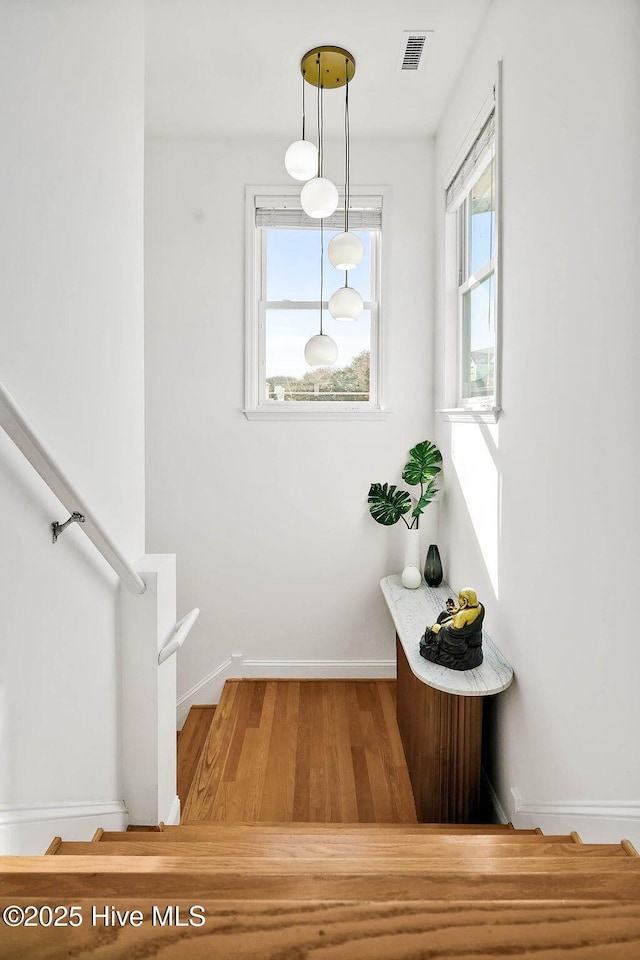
{"points": [[455, 641]]}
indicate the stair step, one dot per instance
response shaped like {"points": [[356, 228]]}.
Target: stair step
{"points": [[423, 878], [356, 849], [338, 827], [248, 930], [334, 832], [256, 840], [139, 828], [358, 837]]}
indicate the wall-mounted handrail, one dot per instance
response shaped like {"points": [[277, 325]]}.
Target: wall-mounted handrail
{"points": [[182, 631], [16, 426]]}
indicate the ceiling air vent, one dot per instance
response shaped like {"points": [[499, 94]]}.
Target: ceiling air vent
{"points": [[413, 44]]}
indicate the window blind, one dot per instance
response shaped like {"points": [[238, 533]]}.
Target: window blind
{"points": [[365, 213], [469, 167]]}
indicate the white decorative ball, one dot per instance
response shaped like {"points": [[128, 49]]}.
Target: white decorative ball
{"points": [[321, 351], [346, 304], [411, 578], [301, 160], [346, 251], [319, 197]]}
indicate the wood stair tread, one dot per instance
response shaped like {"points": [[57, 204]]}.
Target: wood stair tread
{"points": [[246, 930], [339, 826], [314, 848], [328, 842]]}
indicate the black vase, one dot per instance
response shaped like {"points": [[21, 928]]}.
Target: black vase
{"points": [[433, 567]]}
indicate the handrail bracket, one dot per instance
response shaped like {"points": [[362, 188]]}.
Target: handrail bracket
{"points": [[58, 528]]}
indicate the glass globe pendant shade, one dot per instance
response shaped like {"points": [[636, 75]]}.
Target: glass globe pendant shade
{"points": [[346, 304], [301, 160], [321, 351], [319, 197], [346, 251]]}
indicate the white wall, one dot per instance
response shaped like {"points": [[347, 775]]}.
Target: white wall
{"points": [[71, 354], [270, 521], [541, 512]]}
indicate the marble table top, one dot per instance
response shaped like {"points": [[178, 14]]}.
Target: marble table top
{"points": [[412, 611]]}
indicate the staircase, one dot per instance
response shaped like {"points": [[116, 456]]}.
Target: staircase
{"points": [[249, 890], [347, 891]]}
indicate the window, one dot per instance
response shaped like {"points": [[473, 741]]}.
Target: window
{"points": [[283, 311], [472, 268], [476, 288]]}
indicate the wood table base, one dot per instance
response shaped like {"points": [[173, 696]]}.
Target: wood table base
{"points": [[442, 739]]}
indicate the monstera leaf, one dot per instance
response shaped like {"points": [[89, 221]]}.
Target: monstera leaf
{"points": [[427, 496], [424, 463], [387, 503]]}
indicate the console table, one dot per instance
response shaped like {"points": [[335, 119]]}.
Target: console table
{"points": [[439, 709]]}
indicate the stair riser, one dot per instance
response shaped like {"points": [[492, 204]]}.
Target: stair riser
{"points": [[347, 887]]}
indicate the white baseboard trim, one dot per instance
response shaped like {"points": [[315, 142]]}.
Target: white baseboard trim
{"points": [[611, 810], [321, 669], [208, 689], [28, 829], [173, 817], [597, 821]]}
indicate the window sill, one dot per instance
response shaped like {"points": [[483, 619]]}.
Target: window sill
{"points": [[470, 415], [315, 414]]}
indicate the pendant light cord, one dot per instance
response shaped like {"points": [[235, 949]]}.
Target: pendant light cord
{"points": [[347, 157], [320, 172], [304, 116], [321, 269], [347, 151], [320, 151]]}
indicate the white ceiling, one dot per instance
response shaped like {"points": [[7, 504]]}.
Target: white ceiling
{"points": [[231, 68]]}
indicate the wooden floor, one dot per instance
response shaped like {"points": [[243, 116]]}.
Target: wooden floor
{"points": [[191, 741], [289, 750]]}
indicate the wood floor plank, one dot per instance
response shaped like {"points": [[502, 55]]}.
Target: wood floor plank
{"points": [[376, 768], [345, 774], [302, 773], [201, 796], [244, 717], [191, 740], [396, 775], [258, 690], [278, 794], [237, 809], [255, 785], [319, 800]]}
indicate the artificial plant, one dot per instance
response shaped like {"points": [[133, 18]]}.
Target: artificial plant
{"points": [[388, 504]]}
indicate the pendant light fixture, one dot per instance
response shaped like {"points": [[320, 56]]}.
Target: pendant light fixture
{"points": [[346, 304], [324, 68], [330, 67], [321, 350], [301, 159]]}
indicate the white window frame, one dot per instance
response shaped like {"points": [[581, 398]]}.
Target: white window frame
{"points": [[257, 407], [454, 406]]}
